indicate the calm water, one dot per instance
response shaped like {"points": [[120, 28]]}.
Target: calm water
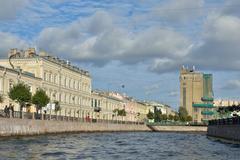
{"points": [[118, 146]]}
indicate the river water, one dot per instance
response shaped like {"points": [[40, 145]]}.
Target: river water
{"points": [[124, 145]]}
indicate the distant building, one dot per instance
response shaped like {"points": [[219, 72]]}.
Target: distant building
{"points": [[196, 94], [165, 109], [106, 102], [225, 103]]}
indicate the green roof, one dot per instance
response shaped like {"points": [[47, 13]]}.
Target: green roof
{"points": [[203, 105]]}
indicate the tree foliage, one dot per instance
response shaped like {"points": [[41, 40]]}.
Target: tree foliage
{"points": [[176, 118], [189, 119], [1, 98], [20, 93], [120, 112], [40, 99], [57, 106], [171, 117], [163, 117], [150, 115], [183, 114]]}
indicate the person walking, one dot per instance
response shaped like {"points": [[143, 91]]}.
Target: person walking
{"points": [[5, 110], [11, 106]]}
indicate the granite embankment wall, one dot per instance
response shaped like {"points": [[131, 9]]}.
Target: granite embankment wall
{"points": [[228, 132], [17, 127], [9, 127], [179, 128]]}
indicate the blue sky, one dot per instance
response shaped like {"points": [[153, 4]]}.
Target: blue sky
{"points": [[138, 43]]}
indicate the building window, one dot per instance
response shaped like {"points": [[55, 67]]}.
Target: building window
{"points": [[10, 84], [195, 109], [65, 81], [49, 77], [184, 97], [45, 76], [55, 78], [69, 83]]}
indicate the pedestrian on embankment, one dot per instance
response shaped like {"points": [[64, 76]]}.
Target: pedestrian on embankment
{"points": [[11, 107]]}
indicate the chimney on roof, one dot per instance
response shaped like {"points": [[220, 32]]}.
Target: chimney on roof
{"points": [[12, 52], [30, 52]]}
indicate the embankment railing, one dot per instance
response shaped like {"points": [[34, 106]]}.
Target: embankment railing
{"points": [[77, 118], [225, 121]]}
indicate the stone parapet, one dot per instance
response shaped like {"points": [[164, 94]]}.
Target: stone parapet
{"points": [[17, 127]]}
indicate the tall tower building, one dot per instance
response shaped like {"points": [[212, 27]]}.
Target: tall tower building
{"points": [[196, 94]]}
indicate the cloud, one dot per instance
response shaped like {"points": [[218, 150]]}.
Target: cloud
{"points": [[103, 37], [232, 85], [231, 7], [219, 49], [152, 88], [173, 94], [177, 11], [8, 41], [10, 8], [98, 39]]}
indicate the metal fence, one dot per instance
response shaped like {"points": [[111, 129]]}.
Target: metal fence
{"points": [[40, 116], [176, 123], [225, 121]]}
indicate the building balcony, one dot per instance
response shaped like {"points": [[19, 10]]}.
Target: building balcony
{"points": [[207, 99], [209, 113], [203, 105], [97, 109]]}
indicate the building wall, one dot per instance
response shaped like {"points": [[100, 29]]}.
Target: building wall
{"points": [[8, 78], [61, 81], [192, 88]]}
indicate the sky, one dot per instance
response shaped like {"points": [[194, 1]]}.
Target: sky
{"points": [[140, 44]]}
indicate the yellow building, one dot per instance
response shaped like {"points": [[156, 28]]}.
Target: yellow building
{"points": [[196, 94], [103, 104], [106, 102], [9, 77], [62, 81]]}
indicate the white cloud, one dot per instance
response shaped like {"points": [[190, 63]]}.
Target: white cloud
{"points": [[10, 8], [178, 10], [232, 84], [173, 94], [231, 7], [152, 88], [220, 47], [98, 39], [8, 41]]}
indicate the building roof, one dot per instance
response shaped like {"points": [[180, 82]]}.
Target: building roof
{"points": [[17, 72], [31, 54]]}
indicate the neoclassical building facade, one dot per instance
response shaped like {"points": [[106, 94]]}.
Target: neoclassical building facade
{"points": [[62, 81]]}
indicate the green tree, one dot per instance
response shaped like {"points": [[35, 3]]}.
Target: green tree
{"points": [[150, 115], [1, 98], [157, 115], [163, 117], [40, 99], [122, 112], [189, 119], [176, 117], [182, 114], [171, 117], [20, 93], [57, 106]]}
